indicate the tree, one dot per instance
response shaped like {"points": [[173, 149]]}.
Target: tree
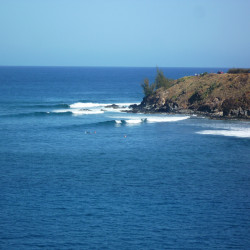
{"points": [[147, 88], [161, 81]]}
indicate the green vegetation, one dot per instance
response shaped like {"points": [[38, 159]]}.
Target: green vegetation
{"points": [[147, 88], [212, 87], [180, 80], [238, 71], [203, 74], [160, 82]]}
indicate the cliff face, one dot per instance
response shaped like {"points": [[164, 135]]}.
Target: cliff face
{"points": [[216, 95]]}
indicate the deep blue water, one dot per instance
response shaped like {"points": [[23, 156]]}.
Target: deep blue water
{"points": [[90, 177]]}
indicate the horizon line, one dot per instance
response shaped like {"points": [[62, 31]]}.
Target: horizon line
{"points": [[80, 66]]}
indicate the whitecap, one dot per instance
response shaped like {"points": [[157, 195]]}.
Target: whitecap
{"points": [[92, 105], [166, 119], [126, 104], [134, 121], [86, 105], [117, 110], [151, 118], [108, 109], [86, 112], [242, 133], [61, 111], [118, 121], [78, 111]]}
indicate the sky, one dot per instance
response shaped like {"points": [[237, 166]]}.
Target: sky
{"points": [[129, 33]]}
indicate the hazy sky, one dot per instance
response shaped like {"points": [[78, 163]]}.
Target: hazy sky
{"points": [[171, 33]]}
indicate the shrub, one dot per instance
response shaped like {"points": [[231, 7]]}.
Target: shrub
{"points": [[212, 87]]}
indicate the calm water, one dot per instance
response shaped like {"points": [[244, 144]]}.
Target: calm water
{"points": [[78, 175]]}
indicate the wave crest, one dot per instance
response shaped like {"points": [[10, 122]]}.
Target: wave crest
{"points": [[134, 121], [78, 112], [167, 119], [94, 105], [243, 133]]}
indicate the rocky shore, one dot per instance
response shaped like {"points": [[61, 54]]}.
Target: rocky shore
{"points": [[220, 96]]}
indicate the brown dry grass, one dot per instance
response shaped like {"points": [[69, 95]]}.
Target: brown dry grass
{"points": [[208, 87]]}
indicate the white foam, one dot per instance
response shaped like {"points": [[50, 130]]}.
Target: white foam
{"points": [[133, 121], [242, 133], [78, 111], [61, 111], [228, 125], [93, 105], [86, 105], [118, 121], [86, 112], [126, 104], [116, 110], [96, 108], [150, 118], [166, 119]]}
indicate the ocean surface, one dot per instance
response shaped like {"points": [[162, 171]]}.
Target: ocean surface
{"points": [[76, 174]]}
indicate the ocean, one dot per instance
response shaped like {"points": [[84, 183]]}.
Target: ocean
{"points": [[76, 174]]}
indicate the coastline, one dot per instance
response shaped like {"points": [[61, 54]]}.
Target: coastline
{"points": [[215, 96]]}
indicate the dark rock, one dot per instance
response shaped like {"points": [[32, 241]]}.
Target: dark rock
{"points": [[114, 106], [171, 106], [133, 106], [205, 108], [196, 97], [236, 107], [85, 110]]}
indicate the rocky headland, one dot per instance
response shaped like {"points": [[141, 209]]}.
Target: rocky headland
{"points": [[223, 96]]}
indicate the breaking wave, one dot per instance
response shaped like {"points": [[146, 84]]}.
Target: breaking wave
{"points": [[134, 121], [130, 120], [86, 105], [241, 133], [78, 112], [151, 119], [166, 119], [94, 105], [86, 112], [88, 108], [139, 120]]}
